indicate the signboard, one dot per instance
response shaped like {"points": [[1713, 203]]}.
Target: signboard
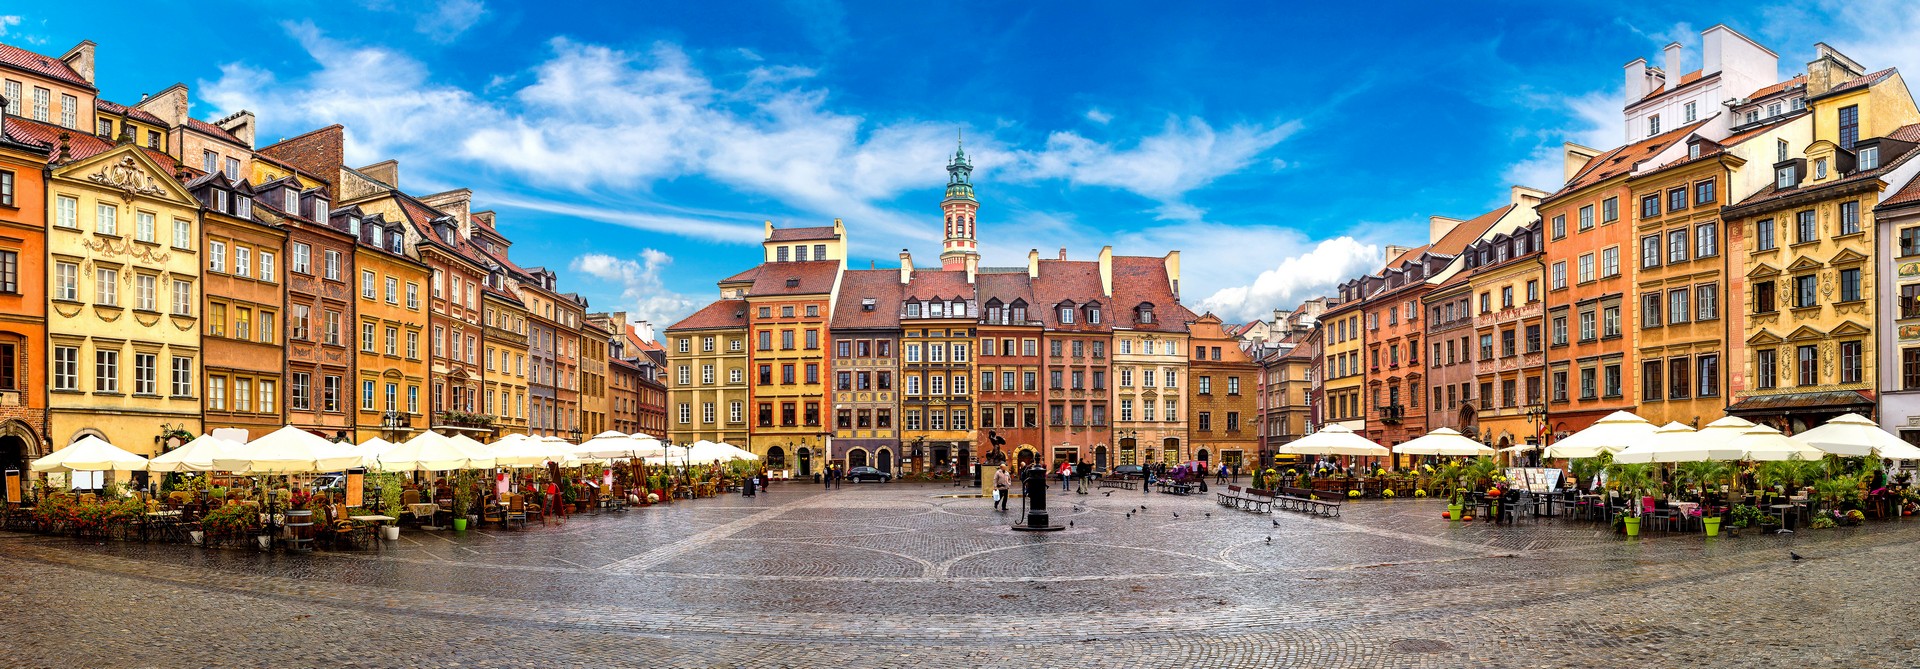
{"points": [[13, 486], [355, 481], [1535, 479]]}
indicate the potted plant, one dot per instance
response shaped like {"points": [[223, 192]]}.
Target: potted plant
{"points": [[463, 483], [1632, 480]]}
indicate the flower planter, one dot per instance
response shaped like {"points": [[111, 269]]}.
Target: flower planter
{"points": [[1713, 526], [1453, 511], [390, 532], [459, 524], [1633, 527]]}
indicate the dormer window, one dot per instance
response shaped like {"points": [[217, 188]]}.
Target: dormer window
{"points": [[1066, 315], [1783, 179], [353, 225], [446, 235], [243, 207], [1144, 314], [867, 304], [1693, 150], [1869, 158], [793, 283], [219, 200], [959, 309], [1820, 168], [1093, 315], [293, 201], [396, 241], [913, 310], [1019, 314], [379, 236]]}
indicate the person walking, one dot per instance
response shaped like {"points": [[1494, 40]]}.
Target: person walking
{"points": [[1002, 484], [826, 478], [1066, 476]]}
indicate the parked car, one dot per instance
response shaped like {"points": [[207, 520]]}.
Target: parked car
{"points": [[858, 474], [1128, 472], [329, 482]]}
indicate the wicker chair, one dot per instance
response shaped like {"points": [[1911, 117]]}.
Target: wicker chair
{"points": [[493, 512], [516, 510]]}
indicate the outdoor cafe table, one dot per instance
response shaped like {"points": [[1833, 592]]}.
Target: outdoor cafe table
{"points": [[426, 509], [169, 521]]}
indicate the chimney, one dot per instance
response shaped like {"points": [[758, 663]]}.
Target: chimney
{"points": [[1830, 68], [457, 203], [1577, 157], [1395, 251], [1033, 263], [1173, 273], [1063, 253], [1525, 197], [240, 125], [1106, 271], [80, 58], [1671, 61], [906, 267], [1439, 226], [1636, 80], [973, 267], [170, 104], [385, 171]]}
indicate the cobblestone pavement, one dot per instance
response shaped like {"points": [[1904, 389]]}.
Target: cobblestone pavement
{"points": [[905, 576]]}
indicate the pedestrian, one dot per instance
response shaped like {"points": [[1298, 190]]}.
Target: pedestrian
{"points": [[1066, 476], [1223, 474], [826, 478], [1002, 483]]}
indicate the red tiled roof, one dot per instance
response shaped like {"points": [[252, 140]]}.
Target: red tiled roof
{"points": [[719, 314], [1077, 281], [215, 131], [1770, 90], [859, 285], [745, 276], [1621, 160], [80, 145], [1860, 82], [1457, 239], [1685, 79], [1008, 288], [28, 61], [814, 277], [937, 284], [1906, 133], [122, 110], [1143, 279], [801, 234]]}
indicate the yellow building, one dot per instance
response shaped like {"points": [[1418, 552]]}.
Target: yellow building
{"points": [[124, 269], [1343, 349], [386, 332], [594, 402], [1808, 243], [706, 378], [937, 318], [789, 305], [504, 391]]}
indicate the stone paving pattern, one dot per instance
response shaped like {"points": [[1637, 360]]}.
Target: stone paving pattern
{"points": [[902, 576]]}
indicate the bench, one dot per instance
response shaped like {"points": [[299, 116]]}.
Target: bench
{"points": [[1118, 482], [1316, 502], [1172, 488], [1247, 499]]}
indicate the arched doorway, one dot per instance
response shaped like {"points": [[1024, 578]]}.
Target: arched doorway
{"points": [[883, 460], [1202, 456], [1025, 456], [806, 460], [776, 457], [16, 451], [1100, 457], [856, 458]]}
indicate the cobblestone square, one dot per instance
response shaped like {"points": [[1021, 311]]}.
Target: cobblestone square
{"points": [[906, 575]]}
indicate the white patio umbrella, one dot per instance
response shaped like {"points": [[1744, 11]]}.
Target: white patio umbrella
{"points": [[1853, 435], [1607, 435], [194, 456], [743, 453], [289, 450], [1762, 442], [1674, 442], [707, 452], [480, 457], [1444, 441], [431, 452], [1334, 440], [372, 448], [608, 445], [90, 454], [643, 435], [519, 450]]}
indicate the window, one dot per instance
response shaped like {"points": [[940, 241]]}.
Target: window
{"points": [[1806, 228], [42, 100], [1586, 268], [1910, 368], [1653, 125], [1850, 358], [106, 286], [182, 297], [1706, 300], [1706, 240], [1649, 206], [1805, 291], [1703, 192], [1610, 210], [66, 368], [1784, 178], [143, 292], [217, 256], [1809, 358], [13, 97], [1676, 199], [267, 270], [1867, 158], [106, 219], [1559, 275], [1610, 261], [1850, 284], [106, 371], [1652, 379], [1610, 322], [1559, 332], [333, 265], [1763, 234], [1679, 307], [1764, 300], [1689, 112], [1559, 226], [1650, 310], [242, 261], [366, 284], [143, 226], [1650, 251], [69, 111], [302, 258], [1849, 118], [413, 296], [1589, 329], [1850, 217], [1586, 217]]}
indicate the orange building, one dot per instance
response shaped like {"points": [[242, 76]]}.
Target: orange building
{"points": [[23, 302], [1590, 281]]}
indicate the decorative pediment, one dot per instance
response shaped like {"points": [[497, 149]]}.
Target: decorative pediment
{"points": [[1806, 333], [1803, 264], [1847, 257], [1764, 337], [129, 170], [1849, 329], [1763, 270]]}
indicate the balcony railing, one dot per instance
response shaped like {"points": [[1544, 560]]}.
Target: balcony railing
{"points": [[1391, 413], [395, 420], [462, 419]]}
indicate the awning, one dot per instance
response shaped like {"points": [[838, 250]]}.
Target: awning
{"points": [[1833, 401]]}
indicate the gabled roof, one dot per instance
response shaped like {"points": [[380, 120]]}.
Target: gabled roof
{"points": [[214, 131], [1784, 85], [1906, 133], [882, 286], [719, 314], [1006, 287], [80, 145], [802, 234], [1143, 279], [1622, 160], [936, 284], [28, 61], [1685, 79], [1859, 82], [118, 109], [1076, 281], [814, 277]]}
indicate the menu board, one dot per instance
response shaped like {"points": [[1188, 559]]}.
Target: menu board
{"points": [[355, 481], [1535, 479]]}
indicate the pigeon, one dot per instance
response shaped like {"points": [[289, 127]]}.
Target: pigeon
{"points": [[1209, 514], [1269, 541], [1783, 531], [1176, 514], [1069, 523], [1143, 507], [1794, 555], [1276, 523], [1108, 493]]}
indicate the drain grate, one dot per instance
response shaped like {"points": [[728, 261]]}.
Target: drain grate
{"points": [[1420, 646]]}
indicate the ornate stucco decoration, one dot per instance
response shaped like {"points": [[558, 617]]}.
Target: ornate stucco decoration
{"points": [[127, 176]]}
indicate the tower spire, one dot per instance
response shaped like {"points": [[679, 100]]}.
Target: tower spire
{"points": [[959, 209]]}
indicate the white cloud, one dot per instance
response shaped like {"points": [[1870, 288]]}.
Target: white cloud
{"points": [[447, 19], [646, 296], [1593, 120], [1187, 154], [8, 21], [1098, 116], [1310, 274]]}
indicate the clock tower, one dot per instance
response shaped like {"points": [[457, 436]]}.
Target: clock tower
{"points": [[959, 208]]}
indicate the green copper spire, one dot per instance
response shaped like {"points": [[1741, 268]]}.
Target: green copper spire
{"points": [[959, 174]]}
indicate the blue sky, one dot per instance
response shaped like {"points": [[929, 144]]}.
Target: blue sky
{"points": [[640, 145]]}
